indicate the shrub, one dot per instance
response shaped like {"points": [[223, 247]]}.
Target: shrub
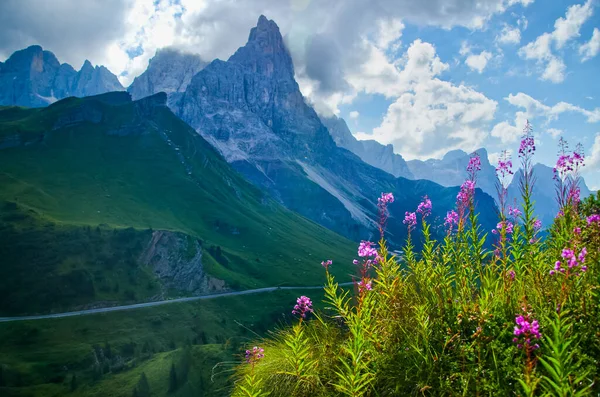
{"points": [[454, 318]]}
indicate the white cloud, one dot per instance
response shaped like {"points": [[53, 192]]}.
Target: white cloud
{"points": [[509, 35], [389, 33], [354, 114], [592, 162], [478, 62], [431, 116], [533, 109], [565, 29], [591, 48], [555, 132]]}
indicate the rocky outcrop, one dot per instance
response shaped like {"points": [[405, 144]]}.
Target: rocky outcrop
{"points": [[35, 78], [370, 151], [176, 258], [169, 71]]}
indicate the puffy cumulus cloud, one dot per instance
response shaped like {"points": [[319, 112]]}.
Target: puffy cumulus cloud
{"points": [[73, 30], [431, 116], [591, 48], [354, 114], [478, 62], [532, 109], [565, 29], [509, 35], [124, 34]]}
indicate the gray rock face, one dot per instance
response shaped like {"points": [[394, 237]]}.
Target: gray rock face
{"points": [[251, 109], [177, 260], [451, 170], [370, 151], [34, 78], [169, 71]]}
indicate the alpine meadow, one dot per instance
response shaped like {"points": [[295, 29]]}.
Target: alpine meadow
{"points": [[365, 198]]}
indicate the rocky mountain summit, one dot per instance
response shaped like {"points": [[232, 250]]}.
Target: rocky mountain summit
{"points": [[370, 151], [169, 71], [33, 77], [251, 109]]}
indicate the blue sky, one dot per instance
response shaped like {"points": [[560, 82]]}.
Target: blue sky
{"points": [[507, 72], [425, 76]]}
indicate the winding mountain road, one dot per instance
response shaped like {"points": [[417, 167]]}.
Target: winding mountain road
{"points": [[155, 303]]}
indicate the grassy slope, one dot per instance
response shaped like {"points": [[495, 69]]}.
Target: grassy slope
{"points": [[43, 355], [81, 176]]}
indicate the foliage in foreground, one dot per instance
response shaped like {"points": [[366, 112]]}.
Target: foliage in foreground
{"points": [[454, 318]]}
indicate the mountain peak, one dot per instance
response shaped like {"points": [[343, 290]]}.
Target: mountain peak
{"points": [[265, 51]]}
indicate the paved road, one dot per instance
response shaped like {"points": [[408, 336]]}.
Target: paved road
{"points": [[156, 303]]}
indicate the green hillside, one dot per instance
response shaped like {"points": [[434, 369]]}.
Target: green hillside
{"points": [[104, 164]]}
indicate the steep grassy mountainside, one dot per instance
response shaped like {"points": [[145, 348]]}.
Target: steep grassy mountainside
{"points": [[108, 161]]}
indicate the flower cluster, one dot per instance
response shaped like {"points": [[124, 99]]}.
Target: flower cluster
{"points": [[537, 224], [364, 286], [326, 264], [508, 226], [467, 190], [504, 168], [514, 211], [525, 330], [424, 207], [410, 220], [474, 164], [451, 219], [303, 306], [511, 273], [527, 147], [253, 356], [365, 249], [594, 218], [386, 198], [571, 260]]}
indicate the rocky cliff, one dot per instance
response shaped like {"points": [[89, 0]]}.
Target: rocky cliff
{"points": [[169, 71], [34, 78]]}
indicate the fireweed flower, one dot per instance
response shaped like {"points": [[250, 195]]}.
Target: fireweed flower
{"points": [[474, 164], [253, 356], [571, 260], [537, 224], [303, 306], [593, 219], [382, 203], [526, 330], [424, 207], [364, 286], [504, 168], [385, 198], [365, 250], [326, 264], [514, 211], [410, 220], [467, 190], [509, 227], [451, 219], [527, 147], [511, 274]]}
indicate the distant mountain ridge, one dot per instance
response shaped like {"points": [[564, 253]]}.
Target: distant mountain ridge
{"points": [[370, 151], [33, 77]]}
